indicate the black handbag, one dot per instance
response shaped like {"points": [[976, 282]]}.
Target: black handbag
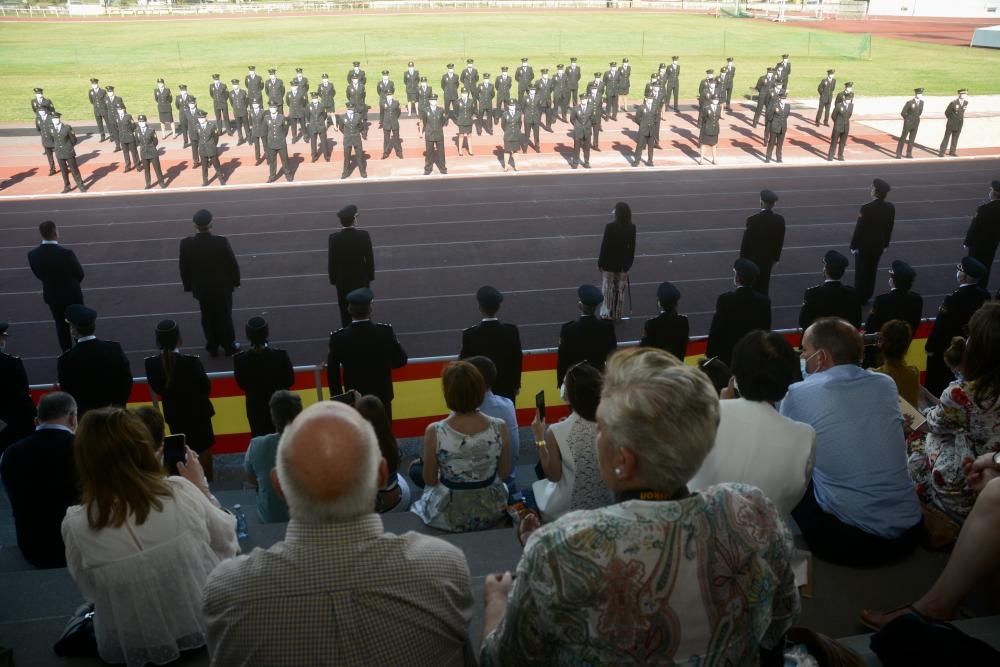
{"points": [[916, 641], [78, 639]]}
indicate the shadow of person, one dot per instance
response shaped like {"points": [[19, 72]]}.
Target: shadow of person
{"points": [[626, 150], [173, 172], [17, 178], [748, 149], [868, 143], [566, 152], [100, 173], [746, 132], [83, 157], [685, 148], [808, 147]]}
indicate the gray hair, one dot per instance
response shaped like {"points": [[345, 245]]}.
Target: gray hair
{"points": [[664, 412], [56, 405]]}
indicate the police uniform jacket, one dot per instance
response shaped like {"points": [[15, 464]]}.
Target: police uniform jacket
{"points": [[983, 236], [573, 77], [434, 122], [646, 120], [560, 89], [778, 118], [587, 338], [98, 99], [315, 118], [260, 372], [192, 123], [736, 314], [954, 315], [240, 101], [673, 73], [327, 92], [874, 227], [624, 78], [511, 123], [895, 304], [610, 81], [64, 140], [581, 121], [96, 373], [356, 96], [208, 140], [258, 123], [296, 102], [825, 89], [302, 82], [45, 103], [423, 98], [164, 99], [544, 94], [596, 106], [501, 342], [220, 95], [484, 97], [254, 86], [466, 109], [911, 114], [208, 266], [842, 116], [730, 72], [390, 119], [147, 143], [532, 110], [763, 238], [955, 113], [187, 408], [46, 132], [411, 82], [17, 409], [350, 262], [275, 91], [367, 352], [360, 73], [351, 126], [126, 129], [469, 78], [277, 131], [667, 331], [710, 122], [60, 272], [181, 104], [524, 75], [762, 86], [503, 85], [449, 86], [384, 88], [831, 299]]}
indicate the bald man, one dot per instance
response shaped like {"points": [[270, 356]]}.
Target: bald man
{"points": [[327, 593]]}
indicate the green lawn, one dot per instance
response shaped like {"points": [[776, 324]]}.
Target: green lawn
{"points": [[131, 55]]}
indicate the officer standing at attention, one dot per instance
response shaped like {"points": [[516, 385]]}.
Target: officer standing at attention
{"points": [[503, 85], [365, 351], [763, 239], [351, 126], [260, 371], [449, 89], [411, 81], [276, 144], [668, 330], [484, 105], [208, 149], [709, 129], [842, 112], [181, 104], [96, 373], [220, 102], [983, 236], [275, 90], [645, 118], [524, 76], [43, 121], [254, 85], [164, 106], [295, 99], [239, 100], [764, 87], [350, 259], [465, 111], [673, 81], [111, 116], [573, 75], [357, 73], [786, 69], [499, 341], [899, 303], [727, 90], [560, 94], [911, 113], [61, 274], [469, 78], [588, 338], [98, 100], [17, 409], [434, 121], [126, 134], [624, 84], [327, 92], [40, 103], [302, 81], [955, 115], [210, 272], [738, 312], [832, 298], [543, 94], [532, 119], [258, 130], [611, 82], [510, 122], [424, 93], [777, 125], [390, 127], [384, 88], [825, 89], [871, 238], [191, 117], [356, 98], [64, 141], [316, 125], [952, 318], [148, 153], [581, 119]]}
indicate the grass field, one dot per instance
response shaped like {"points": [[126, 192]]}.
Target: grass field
{"points": [[61, 57]]}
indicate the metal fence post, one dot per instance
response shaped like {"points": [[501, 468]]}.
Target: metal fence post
{"points": [[318, 378]]}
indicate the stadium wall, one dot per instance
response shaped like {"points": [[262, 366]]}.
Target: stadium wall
{"points": [[982, 9]]}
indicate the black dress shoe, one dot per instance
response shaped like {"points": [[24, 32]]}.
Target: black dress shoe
{"points": [[52, 173], [212, 351], [65, 189]]}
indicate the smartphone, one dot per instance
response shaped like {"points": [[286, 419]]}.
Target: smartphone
{"points": [[174, 452], [346, 397], [540, 404]]}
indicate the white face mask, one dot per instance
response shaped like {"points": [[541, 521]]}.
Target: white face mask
{"points": [[563, 396], [94, 86], [434, 105], [410, 69], [273, 77], [202, 122], [56, 123], [804, 363], [142, 126]]}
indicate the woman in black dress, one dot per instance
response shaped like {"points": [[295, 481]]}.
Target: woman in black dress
{"points": [[465, 116], [709, 135], [183, 387], [615, 261]]}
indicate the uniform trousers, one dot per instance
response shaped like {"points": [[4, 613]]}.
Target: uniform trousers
{"points": [[242, 127], [531, 130], [672, 90], [58, 311], [824, 111], [214, 161], [952, 137], [131, 156], [906, 139], [319, 143], [359, 155], [581, 143], [272, 162], [434, 155], [154, 163], [217, 322], [775, 140], [50, 156], [67, 165], [838, 141], [865, 270], [99, 118], [220, 115], [390, 142]]}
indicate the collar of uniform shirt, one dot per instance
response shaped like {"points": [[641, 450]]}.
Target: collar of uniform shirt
{"points": [[84, 339], [364, 320], [53, 427], [50, 242], [491, 319], [831, 280]]}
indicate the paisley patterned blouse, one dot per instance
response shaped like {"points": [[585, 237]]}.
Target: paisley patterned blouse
{"points": [[705, 580]]}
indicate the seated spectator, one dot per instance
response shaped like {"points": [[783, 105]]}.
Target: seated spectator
{"points": [[501, 407], [567, 451], [755, 445], [738, 312], [141, 545], [394, 495], [153, 419], [860, 509], [603, 586], [260, 371], [466, 458], [893, 344], [338, 590], [262, 453], [833, 298], [954, 356], [964, 425], [41, 482], [716, 371], [668, 330]]}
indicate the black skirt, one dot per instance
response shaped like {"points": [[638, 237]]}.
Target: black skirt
{"points": [[167, 116]]}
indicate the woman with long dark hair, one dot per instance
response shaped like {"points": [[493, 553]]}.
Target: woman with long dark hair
{"points": [[183, 387], [615, 261], [395, 495]]}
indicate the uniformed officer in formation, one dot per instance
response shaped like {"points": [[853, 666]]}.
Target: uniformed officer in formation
{"points": [[181, 104], [911, 113], [465, 110], [327, 96], [785, 67], [424, 94], [560, 94], [449, 90], [191, 117], [730, 76], [126, 134], [411, 81], [276, 144], [763, 240], [624, 84], [390, 127], [737, 312], [356, 95], [952, 318], [645, 118], [40, 103], [274, 88], [111, 116], [499, 341], [357, 73], [295, 100], [525, 77], [64, 142], [764, 86], [543, 93], [955, 118], [532, 119], [826, 88], [983, 235], [709, 135], [596, 115], [260, 371], [611, 83], [776, 91], [831, 298], [316, 125], [899, 303], [96, 373], [510, 123], [777, 126], [841, 116], [351, 126], [219, 93], [384, 87], [659, 99], [484, 105], [258, 130], [98, 99], [302, 81], [434, 120], [208, 149], [720, 86], [350, 259], [581, 118], [871, 237], [145, 136], [254, 85], [573, 74], [668, 330], [366, 352], [164, 106], [239, 100], [503, 85], [587, 338], [469, 78], [673, 81], [43, 123]]}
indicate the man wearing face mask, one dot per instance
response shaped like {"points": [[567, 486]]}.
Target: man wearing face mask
{"points": [[43, 121], [357, 73], [911, 113], [296, 101], [411, 81], [356, 96], [148, 153], [825, 89], [449, 89], [351, 126], [532, 119], [832, 298], [524, 75], [777, 125], [98, 100], [257, 133], [503, 84], [276, 144], [126, 131], [842, 112], [208, 148], [645, 118], [384, 88], [64, 141], [275, 90], [424, 93], [181, 104], [484, 106], [510, 122], [164, 107], [434, 122], [327, 91], [955, 113], [111, 116], [390, 127], [983, 236], [738, 312], [40, 103], [220, 102], [238, 98], [316, 124], [191, 117], [580, 118], [254, 85], [952, 318]]}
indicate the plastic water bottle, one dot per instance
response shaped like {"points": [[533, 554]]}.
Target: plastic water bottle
{"points": [[241, 523]]}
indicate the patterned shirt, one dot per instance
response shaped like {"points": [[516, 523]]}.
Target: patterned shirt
{"points": [[699, 581], [341, 594]]}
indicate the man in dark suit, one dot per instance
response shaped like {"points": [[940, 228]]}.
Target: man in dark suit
{"points": [[350, 260], [181, 104], [357, 73], [95, 372], [316, 124], [276, 144], [983, 236], [499, 341], [673, 81], [17, 410], [911, 113], [955, 115], [126, 137], [832, 298], [64, 142], [41, 481], [220, 102], [351, 125], [98, 100], [871, 238], [260, 371], [210, 272], [145, 136], [825, 89], [43, 121], [580, 118], [366, 351], [524, 75], [449, 89], [611, 80], [296, 101], [843, 109], [952, 319], [738, 312], [208, 149], [434, 120], [899, 303], [763, 240], [573, 74], [645, 117], [61, 274], [240, 102], [587, 338], [668, 330], [254, 85], [777, 125], [390, 127], [764, 87], [532, 108], [274, 88], [111, 116]]}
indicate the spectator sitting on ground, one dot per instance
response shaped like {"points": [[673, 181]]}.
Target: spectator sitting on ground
{"points": [[601, 586], [500, 407], [262, 454], [329, 591], [893, 344], [141, 545], [153, 419], [41, 481], [965, 424], [394, 495], [466, 458], [860, 509], [755, 445], [567, 451], [954, 356]]}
